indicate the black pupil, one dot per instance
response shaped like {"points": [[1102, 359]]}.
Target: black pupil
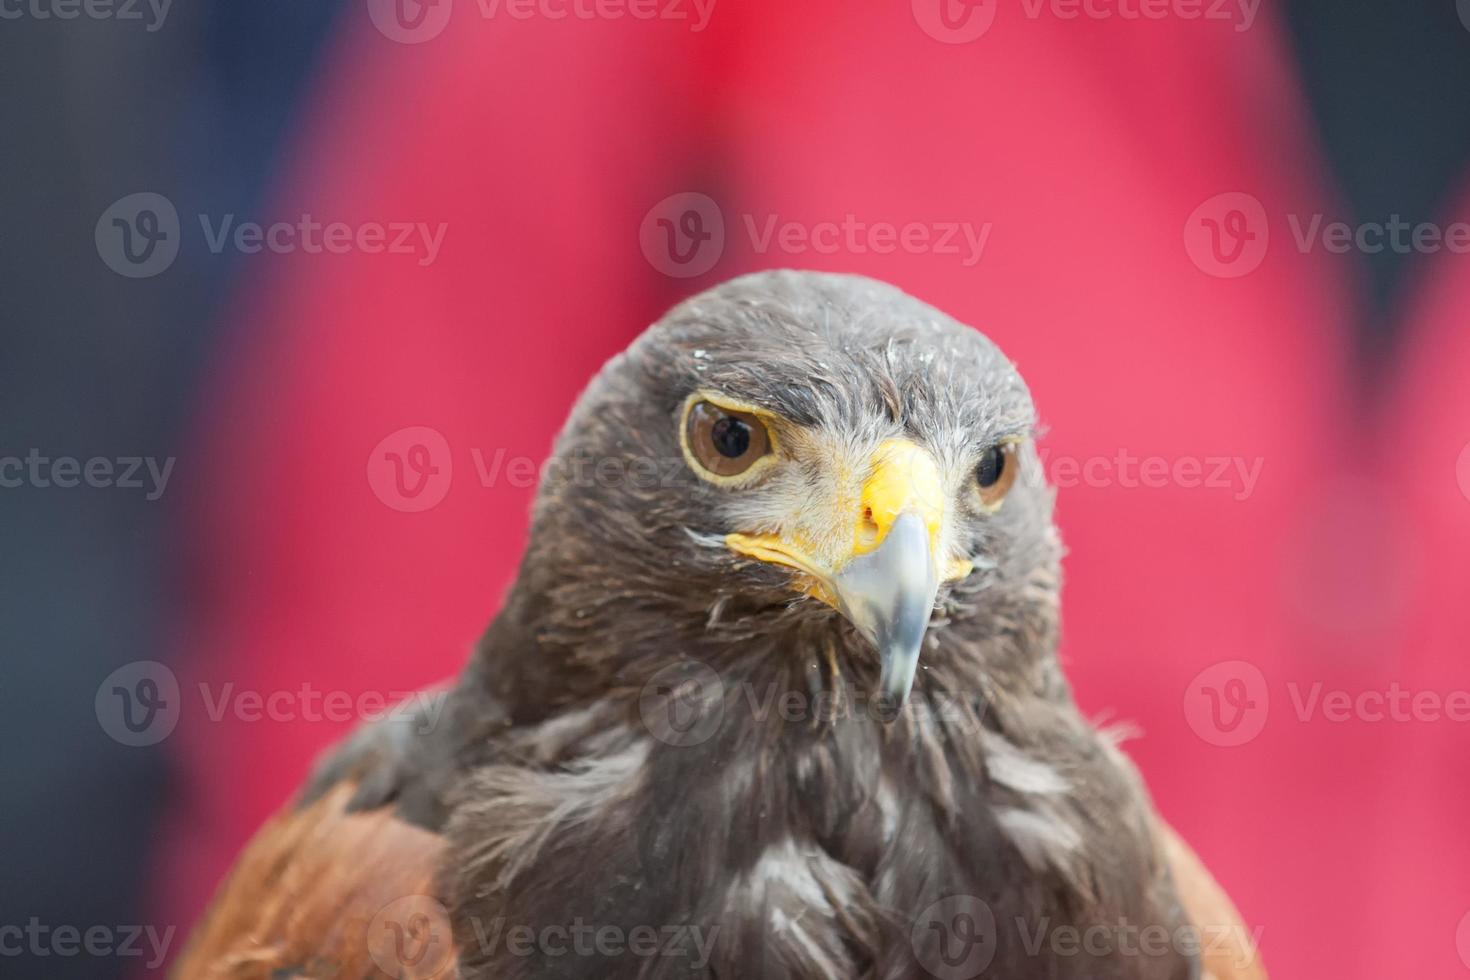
{"points": [[731, 437], [992, 465]]}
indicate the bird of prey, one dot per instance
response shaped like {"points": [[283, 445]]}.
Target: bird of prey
{"points": [[775, 694]]}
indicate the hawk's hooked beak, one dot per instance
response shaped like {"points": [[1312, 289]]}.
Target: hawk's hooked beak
{"points": [[885, 582]]}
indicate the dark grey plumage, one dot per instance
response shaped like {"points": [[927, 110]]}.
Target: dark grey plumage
{"points": [[806, 842]]}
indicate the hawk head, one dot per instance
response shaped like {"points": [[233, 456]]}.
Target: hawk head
{"points": [[790, 471]]}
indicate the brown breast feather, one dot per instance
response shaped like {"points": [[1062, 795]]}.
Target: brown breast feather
{"points": [[325, 894]]}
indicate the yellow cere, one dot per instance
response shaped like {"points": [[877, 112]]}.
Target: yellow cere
{"points": [[904, 477]]}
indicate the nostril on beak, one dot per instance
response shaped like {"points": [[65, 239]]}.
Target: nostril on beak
{"points": [[868, 529]]}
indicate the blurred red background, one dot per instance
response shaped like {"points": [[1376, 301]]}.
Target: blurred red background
{"points": [[1094, 153]]}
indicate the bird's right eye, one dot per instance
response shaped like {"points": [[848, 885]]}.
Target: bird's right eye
{"points": [[995, 473], [721, 442]]}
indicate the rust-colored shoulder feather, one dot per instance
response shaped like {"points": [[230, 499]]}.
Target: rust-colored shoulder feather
{"points": [[327, 894], [1229, 950]]}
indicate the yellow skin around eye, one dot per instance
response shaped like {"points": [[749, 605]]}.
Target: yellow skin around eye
{"points": [[757, 468]]}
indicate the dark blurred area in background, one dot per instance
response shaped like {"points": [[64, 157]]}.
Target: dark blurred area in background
{"points": [[1377, 80], [94, 364]]}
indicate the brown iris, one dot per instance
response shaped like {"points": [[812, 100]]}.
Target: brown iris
{"points": [[996, 473], [723, 441]]}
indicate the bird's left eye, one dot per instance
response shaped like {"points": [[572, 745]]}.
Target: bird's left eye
{"points": [[995, 474], [724, 442]]}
